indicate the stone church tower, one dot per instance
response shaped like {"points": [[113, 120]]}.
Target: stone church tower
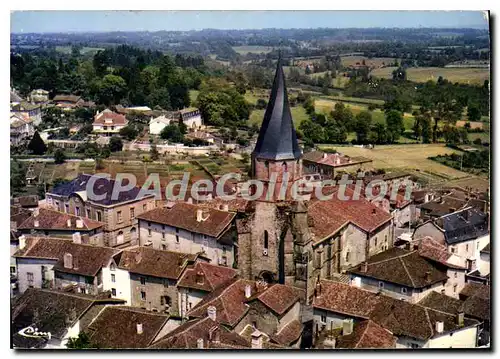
{"points": [[274, 240]]}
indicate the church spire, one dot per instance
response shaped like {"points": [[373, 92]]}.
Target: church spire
{"points": [[277, 138]]}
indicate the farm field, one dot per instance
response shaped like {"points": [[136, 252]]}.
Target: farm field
{"points": [[338, 81], [424, 74], [243, 50], [298, 114], [483, 136], [405, 157], [373, 62]]}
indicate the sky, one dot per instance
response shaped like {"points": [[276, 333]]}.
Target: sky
{"points": [[102, 21]]}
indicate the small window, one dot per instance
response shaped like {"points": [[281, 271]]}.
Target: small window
{"points": [[177, 239], [99, 216], [375, 241], [66, 208], [223, 249], [454, 288], [12, 270], [177, 230], [113, 292], [403, 290], [132, 213], [466, 247], [149, 232], [254, 325], [381, 284], [266, 240], [162, 235], [144, 207], [119, 217], [347, 256], [452, 249], [455, 275], [88, 213], [77, 211], [113, 278], [143, 280], [190, 305], [386, 238], [162, 227], [323, 318], [112, 267], [165, 283], [442, 291], [143, 295], [164, 247], [83, 291]]}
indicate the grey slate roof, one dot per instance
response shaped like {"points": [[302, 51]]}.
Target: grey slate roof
{"points": [[277, 138], [101, 186], [464, 225]]}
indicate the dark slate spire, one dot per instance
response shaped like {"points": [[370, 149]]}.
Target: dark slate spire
{"points": [[277, 138]]}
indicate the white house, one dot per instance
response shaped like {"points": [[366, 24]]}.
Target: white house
{"points": [[108, 123], [157, 124], [187, 228], [21, 129]]}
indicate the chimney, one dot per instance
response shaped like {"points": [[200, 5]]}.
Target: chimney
{"points": [[317, 290], [36, 212], [68, 222], [325, 155], [364, 267], [199, 343], [22, 242], [439, 327], [199, 215], [200, 277], [257, 338], [212, 312], [460, 318], [36, 223], [190, 200], [214, 334], [225, 207], [347, 326], [248, 291], [79, 223], [139, 328], [68, 260], [427, 276], [77, 238]]}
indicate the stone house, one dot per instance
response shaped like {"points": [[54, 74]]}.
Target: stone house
{"points": [[464, 233], [108, 123], [246, 306], [63, 315], [154, 275], [119, 213], [22, 129], [407, 275], [47, 222], [328, 164], [415, 326], [44, 262], [38, 96], [187, 228], [28, 110], [199, 280]]}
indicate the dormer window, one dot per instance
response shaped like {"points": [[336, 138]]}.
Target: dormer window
{"points": [[266, 240], [284, 167]]}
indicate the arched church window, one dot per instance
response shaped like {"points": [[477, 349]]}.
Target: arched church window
{"points": [[266, 240]]}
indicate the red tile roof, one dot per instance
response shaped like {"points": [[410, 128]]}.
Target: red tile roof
{"points": [[214, 335], [367, 335], [289, 334], [155, 262], [116, 328], [87, 260], [401, 267], [183, 215], [108, 117], [205, 277], [431, 249], [331, 215], [400, 317], [54, 220], [279, 298]]}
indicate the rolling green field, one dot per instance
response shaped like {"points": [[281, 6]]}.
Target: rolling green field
{"points": [[243, 50], [424, 74]]}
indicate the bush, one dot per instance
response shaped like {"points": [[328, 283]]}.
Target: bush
{"points": [[59, 156], [477, 141]]}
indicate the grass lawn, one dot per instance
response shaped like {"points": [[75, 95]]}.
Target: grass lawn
{"points": [[405, 157], [253, 95], [423, 74], [243, 50], [484, 136], [193, 95], [298, 115]]}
